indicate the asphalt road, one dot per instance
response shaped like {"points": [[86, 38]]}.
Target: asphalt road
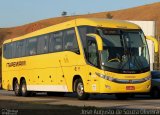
{"points": [[97, 104]]}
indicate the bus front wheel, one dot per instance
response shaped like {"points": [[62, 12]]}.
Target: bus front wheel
{"points": [[80, 90]]}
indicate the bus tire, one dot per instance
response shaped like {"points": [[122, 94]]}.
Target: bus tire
{"points": [[16, 88], [24, 91], [80, 90], [121, 96]]}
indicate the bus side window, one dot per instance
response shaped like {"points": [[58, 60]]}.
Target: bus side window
{"points": [[70, 40], [83, 31], [14, 47], [92, 55], [18, 49], [42, 45], [58, 41], [32, 46], [55, 42], [51, 43], [23, 48]]}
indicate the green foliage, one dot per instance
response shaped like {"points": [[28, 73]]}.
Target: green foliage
{"points": [[64, 13]]}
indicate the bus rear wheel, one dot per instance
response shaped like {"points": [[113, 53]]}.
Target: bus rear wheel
{"points": [[80, 90], [16, 88], [23, 88]]}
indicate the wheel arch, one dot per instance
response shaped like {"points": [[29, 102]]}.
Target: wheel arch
{"points": [[76, 77], [21, 79]]}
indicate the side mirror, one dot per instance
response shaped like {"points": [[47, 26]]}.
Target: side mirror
{"points": [[154, 41], [98, 39]]}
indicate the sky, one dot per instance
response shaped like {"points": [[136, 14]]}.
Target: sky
{"points": [[20, 12]]}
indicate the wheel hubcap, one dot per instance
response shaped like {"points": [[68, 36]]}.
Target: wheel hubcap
{"points": [[80, 89], [23, 89]]}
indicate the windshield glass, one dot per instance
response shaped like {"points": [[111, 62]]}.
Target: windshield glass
{"points": [[124, 51]]}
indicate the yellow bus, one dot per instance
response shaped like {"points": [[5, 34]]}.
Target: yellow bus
{"points": [[86, 56]]}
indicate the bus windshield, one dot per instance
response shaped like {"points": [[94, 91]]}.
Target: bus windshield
{"points": [[125, 51]]}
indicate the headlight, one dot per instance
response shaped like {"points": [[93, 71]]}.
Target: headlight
{"points": [[128, 81], [147, 78], [105, 77]]}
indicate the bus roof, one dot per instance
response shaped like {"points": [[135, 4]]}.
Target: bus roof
{"points": [[109, 23], [97, 22]]}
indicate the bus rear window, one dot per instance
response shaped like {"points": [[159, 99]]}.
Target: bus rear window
{"points": [[7, 50]]}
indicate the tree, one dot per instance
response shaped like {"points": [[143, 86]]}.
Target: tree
{"points": [[109, 15], [64, 13]]}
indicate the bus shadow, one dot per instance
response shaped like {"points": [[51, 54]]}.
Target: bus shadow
{"points": [[97, 96]]}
